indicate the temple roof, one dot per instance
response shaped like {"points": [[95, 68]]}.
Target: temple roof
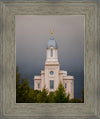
{"points": [[52, 42]]}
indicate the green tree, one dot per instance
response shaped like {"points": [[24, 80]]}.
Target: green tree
{"points": [[24, 94], [51, 97], [60, 94], [75, 100], [22, 91], [22, 88], [42, 97], [68, 98]]}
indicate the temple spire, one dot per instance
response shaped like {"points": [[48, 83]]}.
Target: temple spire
{"points": [[51, 32]]}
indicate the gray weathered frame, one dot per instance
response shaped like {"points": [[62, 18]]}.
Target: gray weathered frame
{"points": [[91, 107]]}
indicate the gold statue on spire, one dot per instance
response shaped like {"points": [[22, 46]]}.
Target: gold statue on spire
{"points": [[52, 32]]}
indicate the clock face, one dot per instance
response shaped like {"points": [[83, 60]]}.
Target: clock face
{"points": [[51, 72]]}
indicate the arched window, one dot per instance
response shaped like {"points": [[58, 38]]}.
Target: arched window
{"points": [[51, 52]]}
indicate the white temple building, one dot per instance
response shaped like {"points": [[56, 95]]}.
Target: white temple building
{"points": [[51, 76]]}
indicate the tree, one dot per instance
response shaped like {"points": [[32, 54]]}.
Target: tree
{"points": [[68, 98], [51, 97], [22, 91], [22, 88], [42, 96], [75, 100], [60, 94]]}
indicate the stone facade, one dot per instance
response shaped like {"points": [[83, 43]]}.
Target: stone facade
{"points": [[52, 75]]}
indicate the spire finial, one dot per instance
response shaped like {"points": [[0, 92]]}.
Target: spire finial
{"points": [[51, 32]]}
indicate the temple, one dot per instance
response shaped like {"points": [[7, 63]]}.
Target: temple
{"points": [[51, 76]]}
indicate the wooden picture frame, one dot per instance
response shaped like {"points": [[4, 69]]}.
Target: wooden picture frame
{"points": [[91, 106]]}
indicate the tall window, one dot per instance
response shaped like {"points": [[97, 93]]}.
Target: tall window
{"points": [[51, 84], [65, 85], [38, 85], [51, 52]]}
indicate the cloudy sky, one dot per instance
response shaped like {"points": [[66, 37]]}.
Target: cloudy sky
{"points": [[32, 36]]}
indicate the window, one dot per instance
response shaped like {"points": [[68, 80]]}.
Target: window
{"points": [[51, 73], [51, 52], [51, 84], [65, 85], [38, 85]]}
